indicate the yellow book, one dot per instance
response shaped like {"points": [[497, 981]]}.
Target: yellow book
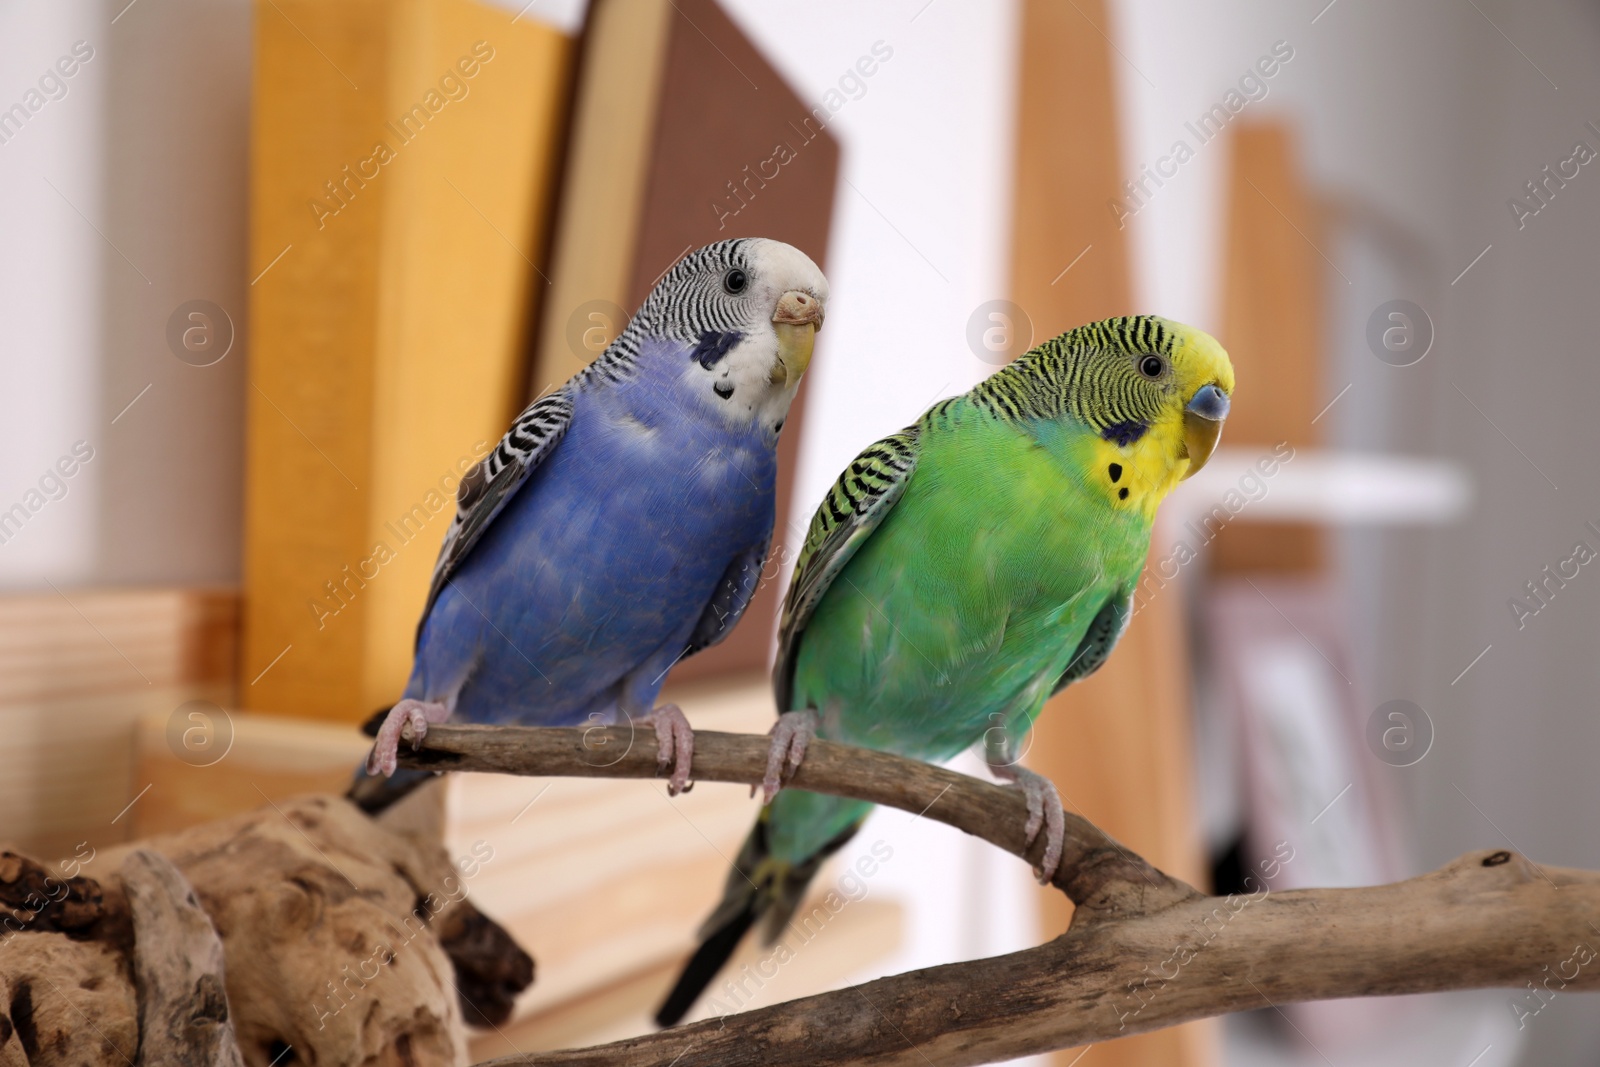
{"points": [[403, 159]]}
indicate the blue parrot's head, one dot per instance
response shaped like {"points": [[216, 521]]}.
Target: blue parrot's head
{"points": [[747, 310]]}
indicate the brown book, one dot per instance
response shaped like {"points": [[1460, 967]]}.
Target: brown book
{"points": [[683, 134]]}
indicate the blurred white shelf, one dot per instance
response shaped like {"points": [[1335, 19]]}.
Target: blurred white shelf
{"points": [[1322, 486]]}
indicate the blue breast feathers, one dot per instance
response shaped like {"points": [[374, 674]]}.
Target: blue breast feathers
{"points": [[590, 583]]}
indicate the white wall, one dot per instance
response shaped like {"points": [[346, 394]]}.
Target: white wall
{"points": [[122, 200], [50, 292], [922, 213]]}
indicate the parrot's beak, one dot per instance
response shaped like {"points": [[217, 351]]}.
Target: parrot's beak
{"points": [[1202, 425], [796, 321]]}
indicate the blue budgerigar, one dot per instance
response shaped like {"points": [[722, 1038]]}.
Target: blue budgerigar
{"points": [[621, 523]]}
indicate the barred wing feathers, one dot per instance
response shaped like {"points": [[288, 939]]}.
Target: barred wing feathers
{"points": [[733, 595], [487, 487], [865, 493], [1105, 630]]}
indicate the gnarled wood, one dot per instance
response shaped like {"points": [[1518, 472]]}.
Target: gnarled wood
{"points": [[64, 943], [1144, 951], [177, 964], [326, 926]]}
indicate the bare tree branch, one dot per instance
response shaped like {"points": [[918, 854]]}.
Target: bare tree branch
{"points": [[1145, 951], [1090, 861]]}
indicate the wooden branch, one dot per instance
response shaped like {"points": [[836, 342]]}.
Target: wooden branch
{"points": [[1144, 951], [177, 963], [1090, 861]]}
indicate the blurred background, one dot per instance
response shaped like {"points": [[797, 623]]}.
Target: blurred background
{"points": [[274, 272]]}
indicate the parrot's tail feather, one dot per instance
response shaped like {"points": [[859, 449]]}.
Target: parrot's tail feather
{"points": [[703, 966], [375, 793], [759, 886]]}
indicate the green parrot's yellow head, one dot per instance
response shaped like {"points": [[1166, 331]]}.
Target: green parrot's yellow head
{"points": [[1153, 392], [1203, 381]]}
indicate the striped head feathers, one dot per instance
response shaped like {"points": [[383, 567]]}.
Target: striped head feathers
{"points": [[1154, 392], [747, 312]]}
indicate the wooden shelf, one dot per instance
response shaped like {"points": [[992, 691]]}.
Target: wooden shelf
{"points": [[1323, 486], [81, 667]]}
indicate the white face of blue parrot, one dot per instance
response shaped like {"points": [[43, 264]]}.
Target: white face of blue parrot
{"points": [[751, 309]]}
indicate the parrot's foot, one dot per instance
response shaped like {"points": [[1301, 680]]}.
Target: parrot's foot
{"points": [[791, 736], [1044, 809], [409, 719], [674, 746]]}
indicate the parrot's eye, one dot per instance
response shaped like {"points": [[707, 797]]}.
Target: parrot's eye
{"points": [[1152, 366], [735, 280]]}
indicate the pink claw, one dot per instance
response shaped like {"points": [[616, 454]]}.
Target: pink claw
{"points": [[1044, 808], [674, 746], [409, 718], [791, 736]]}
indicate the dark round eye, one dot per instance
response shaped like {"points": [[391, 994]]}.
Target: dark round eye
{"points": [[735, 280], [1152, 366]]}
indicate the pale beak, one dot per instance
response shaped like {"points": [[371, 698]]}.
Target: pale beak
{"points": [[1202, 425], [796, 322]]}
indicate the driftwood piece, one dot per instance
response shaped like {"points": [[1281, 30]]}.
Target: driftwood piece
{"points": [[491, 968], [177, 963], [324, 920], [66, 993], [1144, 951], [36, 899], [302, 932], [67, 1003], [1089, 859]]}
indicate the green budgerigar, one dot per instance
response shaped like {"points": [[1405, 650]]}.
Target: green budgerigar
{"points": [[962, 571]]}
